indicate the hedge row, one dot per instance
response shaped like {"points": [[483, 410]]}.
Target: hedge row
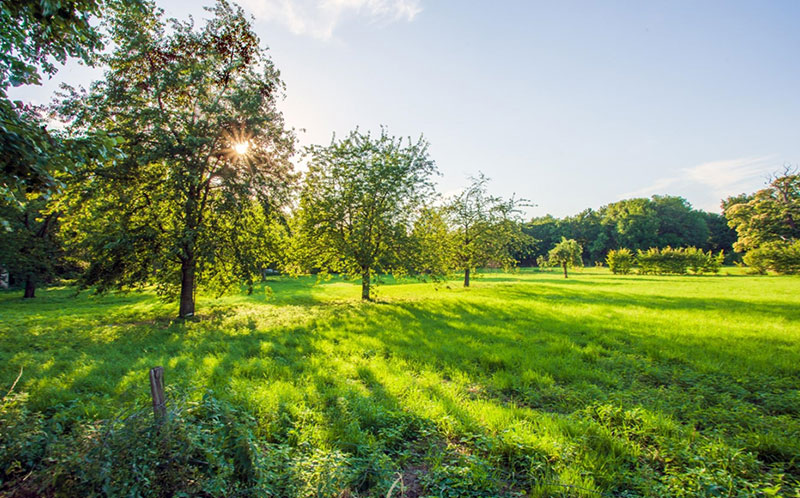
{"points": [[656, 261]]}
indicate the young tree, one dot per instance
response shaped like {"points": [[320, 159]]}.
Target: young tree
{"points": [[195, 113], [359, 201], [566, 253], [485, 227]]}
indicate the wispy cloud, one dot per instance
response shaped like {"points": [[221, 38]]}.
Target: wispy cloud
{"points": [[319, 18], [712, 181]]}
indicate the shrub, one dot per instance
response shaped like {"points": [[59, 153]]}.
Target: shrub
{"points": [[205, 448], [543, 263], [780, 257], [678, 261], [620, 261]]}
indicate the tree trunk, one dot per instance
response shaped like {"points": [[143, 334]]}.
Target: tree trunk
{"points": [[30, 287], [365, 284], [466, 277], [565, 269], [187, 288]]}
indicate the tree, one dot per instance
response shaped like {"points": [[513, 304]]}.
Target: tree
{"points": [[29, 250], [484, 226], [678, 223], [35, 35], [360, 199], [770, 215], [566, 253], [195, 113]]}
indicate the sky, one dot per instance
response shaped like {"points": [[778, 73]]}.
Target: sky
{"points": [[568, 104]]}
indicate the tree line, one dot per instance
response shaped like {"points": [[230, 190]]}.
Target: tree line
{"points": [[176, 170]]}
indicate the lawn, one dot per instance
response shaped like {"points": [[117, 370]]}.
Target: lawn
{"points": [[525, 384]]}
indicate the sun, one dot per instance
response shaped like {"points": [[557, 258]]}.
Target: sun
{"points": [[241, 148]]}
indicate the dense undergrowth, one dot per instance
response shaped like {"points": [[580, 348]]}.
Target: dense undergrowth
{"points": [[524, 385]]}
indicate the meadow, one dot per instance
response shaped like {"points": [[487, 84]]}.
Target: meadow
{"points": [[525, 384]]}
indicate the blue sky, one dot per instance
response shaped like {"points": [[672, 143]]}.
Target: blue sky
{"points": [[569, 104]]}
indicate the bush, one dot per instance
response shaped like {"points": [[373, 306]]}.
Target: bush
{"points": [[678, 261], [780, 257], [206, 448], [620, 261]]}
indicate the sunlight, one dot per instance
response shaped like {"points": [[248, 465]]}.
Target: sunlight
{"points": [[241, 148]]}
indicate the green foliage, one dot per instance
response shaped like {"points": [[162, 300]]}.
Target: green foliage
{"points": [[780, 257], [35, 35], [678, 261], [620, 261], [485, 228], [30, 250], [431, 244], [360, 200], [769, 215], [566, 254], [175, 208], [633, 224], [23, 438]]}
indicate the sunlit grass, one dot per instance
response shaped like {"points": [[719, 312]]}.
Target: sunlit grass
{"points": [[528, 382]]}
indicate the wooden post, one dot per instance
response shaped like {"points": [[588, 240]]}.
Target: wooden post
{"points": [[157, 391]]}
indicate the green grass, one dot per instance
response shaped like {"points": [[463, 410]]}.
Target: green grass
{"points": [[524, 383]]}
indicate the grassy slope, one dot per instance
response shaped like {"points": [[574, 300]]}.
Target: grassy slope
{"points": [[638, 384]]}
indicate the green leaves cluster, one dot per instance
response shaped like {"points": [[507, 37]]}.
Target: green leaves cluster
{"points": [[770, 215], [35, 35], [620, 261], [780, 257], [768, 224], [657, 261], [678, 261]]}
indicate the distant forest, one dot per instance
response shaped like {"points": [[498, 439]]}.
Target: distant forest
{"points": [[635, 224]]}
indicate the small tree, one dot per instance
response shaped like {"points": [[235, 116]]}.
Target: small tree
{"points": [[359, 202], [486, 228], [566, 253]]}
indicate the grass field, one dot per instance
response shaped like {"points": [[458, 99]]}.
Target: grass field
{"points": [[525, 384]]}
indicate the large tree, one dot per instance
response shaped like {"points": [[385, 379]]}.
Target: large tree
{"points": [[485, 227], [770, 215], [359, 202], [194, 111]]}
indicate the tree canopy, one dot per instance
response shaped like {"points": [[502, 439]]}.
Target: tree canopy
{"points": [[194, 112], [36, 36], [771, 214]]}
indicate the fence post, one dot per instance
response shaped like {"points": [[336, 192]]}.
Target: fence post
{"points": [[157, 391]]}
